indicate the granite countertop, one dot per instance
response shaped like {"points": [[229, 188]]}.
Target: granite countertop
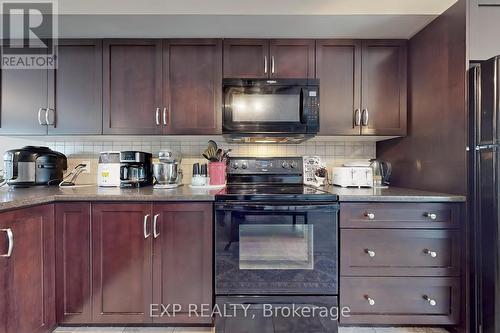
{"points": [[11, 198], [393, 194]]}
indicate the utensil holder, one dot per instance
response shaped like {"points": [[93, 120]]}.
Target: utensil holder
{"points": [[217, 173]]}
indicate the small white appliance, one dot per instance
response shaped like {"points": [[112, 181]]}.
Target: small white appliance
{"points": [[353, 175], [108, 169]]}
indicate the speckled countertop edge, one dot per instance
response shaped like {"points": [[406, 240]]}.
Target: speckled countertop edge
{"points": [[18, 198]]}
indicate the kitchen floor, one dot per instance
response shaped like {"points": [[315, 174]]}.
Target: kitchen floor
{"points": [[206, 330]]}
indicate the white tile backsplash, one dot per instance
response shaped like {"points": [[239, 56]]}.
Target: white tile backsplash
{"points": [[334, 153]]}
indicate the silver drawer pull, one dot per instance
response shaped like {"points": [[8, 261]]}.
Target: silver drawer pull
{"points": [[432, 216], [370, 253], [370, 216], [431, 301], [370, 300], [431, 253], [10, 237]]}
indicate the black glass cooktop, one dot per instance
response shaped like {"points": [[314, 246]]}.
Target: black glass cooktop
{"points": [[281, 192]]}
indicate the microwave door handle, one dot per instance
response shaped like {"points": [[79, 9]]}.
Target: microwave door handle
{"points": [[303, 116]]}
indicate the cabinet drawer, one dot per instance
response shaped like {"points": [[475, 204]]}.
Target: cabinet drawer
{"points": [[400, 215], [400, 252], [400, 300]]}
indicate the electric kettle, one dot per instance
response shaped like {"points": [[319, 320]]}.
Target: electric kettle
{"points": [[381, 172]]}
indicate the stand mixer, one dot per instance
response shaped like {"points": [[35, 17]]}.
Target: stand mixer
{"points": [[167, 173]]}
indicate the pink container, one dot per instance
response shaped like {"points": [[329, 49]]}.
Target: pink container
{"points": [[217, 173]]}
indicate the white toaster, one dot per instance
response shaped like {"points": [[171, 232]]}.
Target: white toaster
{"points": [[353, 176]]}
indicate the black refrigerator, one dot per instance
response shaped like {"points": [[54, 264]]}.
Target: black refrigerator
{"points": [[484, 194]]}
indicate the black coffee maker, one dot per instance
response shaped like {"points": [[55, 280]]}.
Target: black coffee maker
{"points": [[136, 169]]}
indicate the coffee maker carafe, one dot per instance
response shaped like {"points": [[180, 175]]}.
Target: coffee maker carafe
{"points": [[136, 169]]}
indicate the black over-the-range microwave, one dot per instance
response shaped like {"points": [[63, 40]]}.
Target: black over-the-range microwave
{"points": [[266, 110]]}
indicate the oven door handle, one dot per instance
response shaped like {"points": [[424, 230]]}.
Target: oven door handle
{"points": [[275, 208]]}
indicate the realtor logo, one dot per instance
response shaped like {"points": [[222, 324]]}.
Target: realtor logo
{"points": [[29, 33]]}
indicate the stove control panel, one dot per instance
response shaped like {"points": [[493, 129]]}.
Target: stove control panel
{"points": [[276, 165]]}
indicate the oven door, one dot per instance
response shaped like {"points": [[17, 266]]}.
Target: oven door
{"points": [[256, 107], [264, 249]]}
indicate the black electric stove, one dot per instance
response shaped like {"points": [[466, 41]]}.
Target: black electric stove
{"points": [[269, 180], [276, 245]]}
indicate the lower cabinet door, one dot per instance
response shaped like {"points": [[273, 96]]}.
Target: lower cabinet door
{"points": [[73, 295], [27, 273], [400, 300], [182, 263], [121, 238]]}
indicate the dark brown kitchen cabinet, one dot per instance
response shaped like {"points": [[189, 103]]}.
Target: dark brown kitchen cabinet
{"points": [[147, 254], [264, 58], [27, 271], [401, 262], [73, 263], [24, 98], [122, 273], [132, 91], [76, 105], [246, 58], [192, 86], [291, 58], [383, 86], [182, 261], [362, 87], [338, 67], [401, 300]]}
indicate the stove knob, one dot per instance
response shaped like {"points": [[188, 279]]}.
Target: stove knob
{"points": [[235, 165], [244, 165], [293, 165], [285, 165]]}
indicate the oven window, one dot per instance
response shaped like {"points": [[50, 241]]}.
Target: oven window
{"points": [[266, 108], [272, 246]]}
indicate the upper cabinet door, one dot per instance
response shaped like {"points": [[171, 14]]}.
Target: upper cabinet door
{"points": [[246, 58], [338, 67], [384, 87], [291, 58], [78, 87], [192, 86], [132, 86], [23, 101]]}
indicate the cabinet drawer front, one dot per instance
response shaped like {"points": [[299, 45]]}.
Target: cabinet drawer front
{"points": [[400, 215], [400, 252], [401, 300]]}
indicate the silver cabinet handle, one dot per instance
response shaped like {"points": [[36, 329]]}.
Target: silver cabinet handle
{"points": [[357, 117], [432, 302], [433, 254], [165, 122], [432, 216], [40, 121], [365, 117], [265, 64], [157, 116], [10, 237], [370, 216], [370, 253], [47, 118], [155, 220], [272, 64], [145, 226], [370, 300]]}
